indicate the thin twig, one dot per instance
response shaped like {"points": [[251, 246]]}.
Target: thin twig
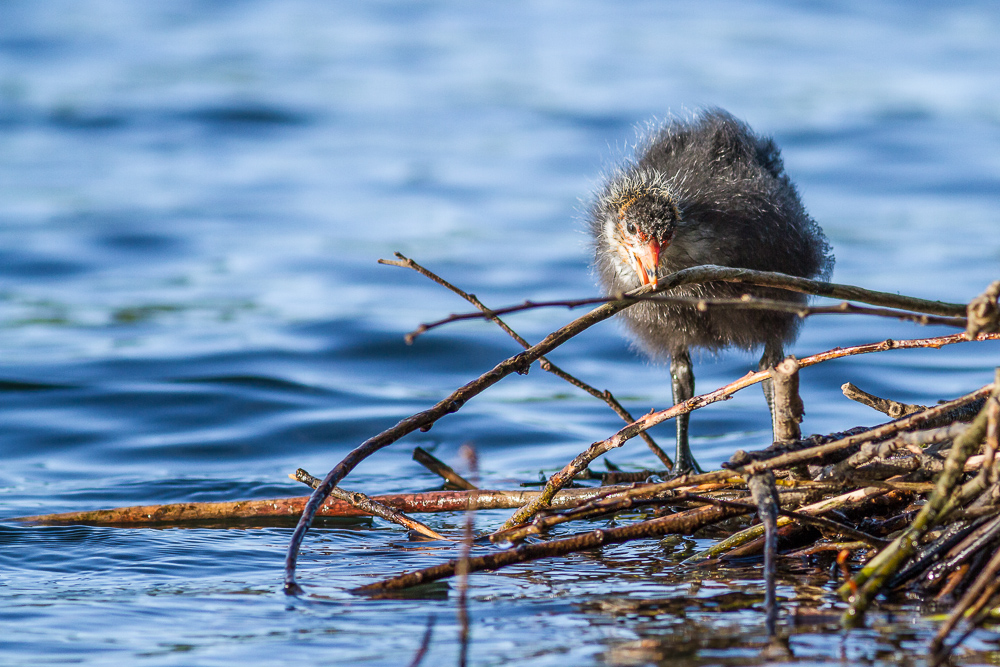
{"points": [[886, 406], [270, 510], [519, 363], [438, 467], [373, 507], [745, 302], [709, 273], [544, 363], [765, 495], [611, 502]]}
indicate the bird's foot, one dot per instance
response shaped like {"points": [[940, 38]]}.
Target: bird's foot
{"points": [[685, 465]]}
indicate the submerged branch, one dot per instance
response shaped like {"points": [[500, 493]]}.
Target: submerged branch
{"points": [[284, 509], [370, 506], [682, 522]]}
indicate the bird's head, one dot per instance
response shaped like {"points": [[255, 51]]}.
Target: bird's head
{"points": [[639, 219]]}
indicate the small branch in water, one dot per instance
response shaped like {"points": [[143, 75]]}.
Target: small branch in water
{"points": [[438, 467], [425, 643], [611, 501], [765, 495], [682, 522], [370, 506], [284, 509]]}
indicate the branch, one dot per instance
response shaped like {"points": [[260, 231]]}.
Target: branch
{"points": [[546, 365], [283, 509], [886, 406], [519, 363], [954, 313], [373, 507], [746, 302], [682, 522]]}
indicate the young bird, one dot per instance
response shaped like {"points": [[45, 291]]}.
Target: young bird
{"points": [[704, 191]]}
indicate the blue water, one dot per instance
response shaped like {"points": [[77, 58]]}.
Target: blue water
{"points": [[193, 197]]}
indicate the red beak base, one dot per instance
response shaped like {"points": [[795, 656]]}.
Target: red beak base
{"points": [[647, 260]]}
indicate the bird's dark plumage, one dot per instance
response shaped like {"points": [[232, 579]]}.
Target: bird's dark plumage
{"points": [[705, 191]]}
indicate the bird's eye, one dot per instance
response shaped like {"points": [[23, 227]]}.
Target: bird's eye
{"points": [[630, 228]]}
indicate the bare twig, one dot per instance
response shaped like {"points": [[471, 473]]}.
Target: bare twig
{"points": [[746, 302], [886, 406], [438, 467], [788, 408], [519, 363], [370, 506], [284, 509], [765, 495], [544, 363]]}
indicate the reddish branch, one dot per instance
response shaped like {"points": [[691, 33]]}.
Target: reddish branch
{"points": [[286, 508], [683, 523]]}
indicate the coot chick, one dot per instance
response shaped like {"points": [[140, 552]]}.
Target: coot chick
{"points": [[704, 191]]}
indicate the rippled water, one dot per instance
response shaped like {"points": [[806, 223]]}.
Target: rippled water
{"points": [[193, 197]]}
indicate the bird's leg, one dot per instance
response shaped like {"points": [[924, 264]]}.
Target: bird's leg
{"points": [[774, 353], [682, 386]]}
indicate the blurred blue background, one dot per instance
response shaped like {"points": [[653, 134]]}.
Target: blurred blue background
{"points": [[193, 197]]}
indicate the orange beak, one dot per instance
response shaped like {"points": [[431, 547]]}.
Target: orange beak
{"points": [[646, 259]]}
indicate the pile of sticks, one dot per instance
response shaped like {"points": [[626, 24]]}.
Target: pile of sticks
{"points": [[915, 501]]}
